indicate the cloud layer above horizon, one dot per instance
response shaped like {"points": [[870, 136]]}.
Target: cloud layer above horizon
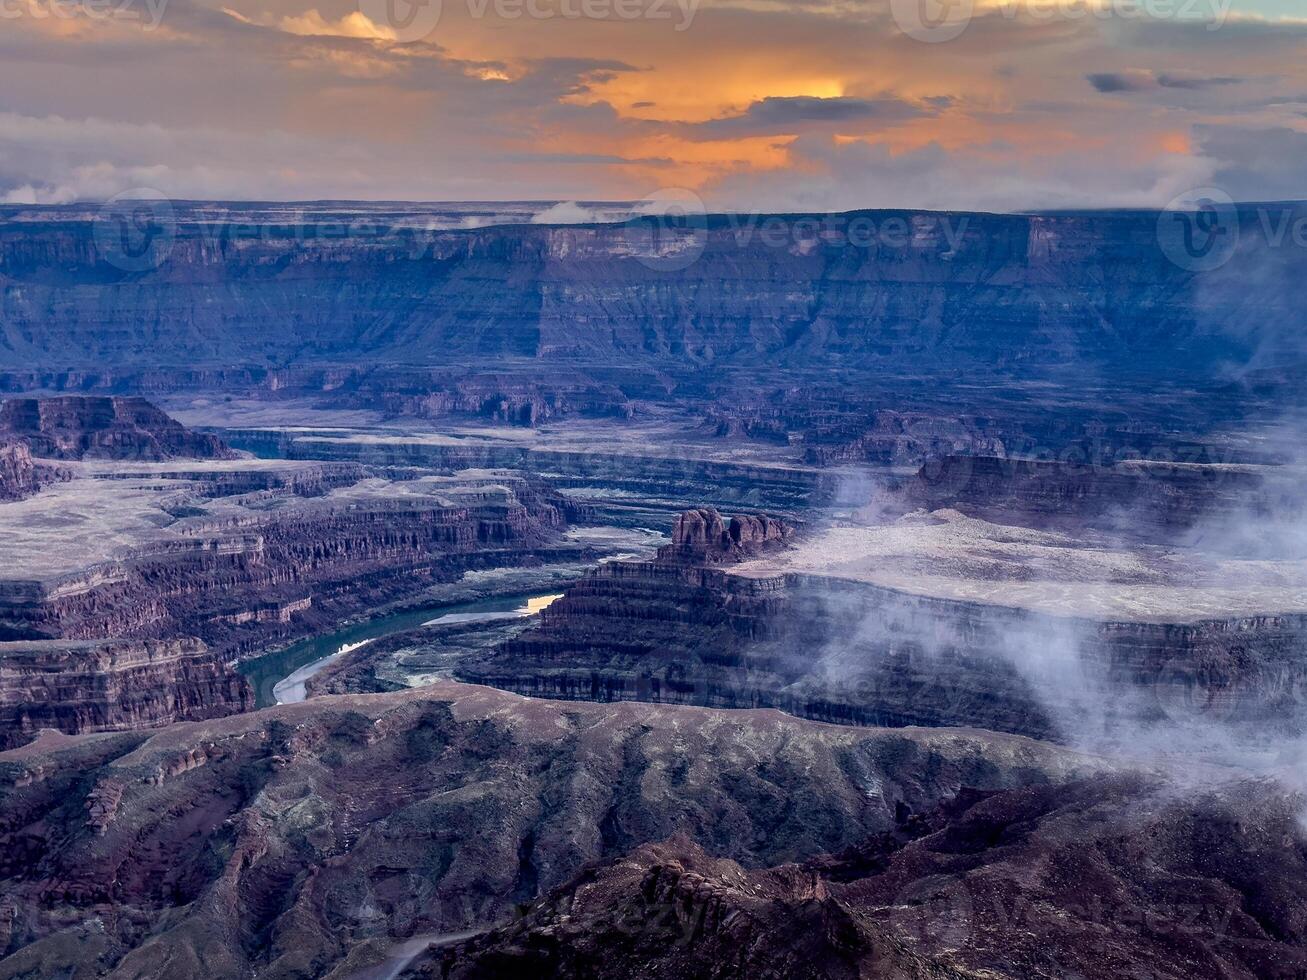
{"points": [[753, 104]]}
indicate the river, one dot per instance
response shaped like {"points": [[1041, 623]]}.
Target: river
{"points": [[280, 677]]}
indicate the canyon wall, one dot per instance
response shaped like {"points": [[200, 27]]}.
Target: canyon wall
{"points": [[250, 573], [20, 475], [112, 685], [82, 427], [682, 629], [1148, 499], [241, 557], [649, 471], [921, 291]]}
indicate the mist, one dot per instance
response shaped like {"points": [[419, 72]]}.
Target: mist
{"points": [[1198, 696]]}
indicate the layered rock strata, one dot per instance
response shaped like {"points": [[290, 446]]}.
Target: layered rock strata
{"points": [[638, 479], [1147, 499], [21, 476], [704, 537], [78, 427], [686, 628], [248, 558], [237, 568], [892, 289], [112, 685]]}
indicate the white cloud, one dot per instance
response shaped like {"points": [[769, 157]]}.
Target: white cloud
{"points": [[566, 213]]}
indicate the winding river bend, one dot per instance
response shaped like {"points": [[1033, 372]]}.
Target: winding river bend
{"points": [[280, 677]]}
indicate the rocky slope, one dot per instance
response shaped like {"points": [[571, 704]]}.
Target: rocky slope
{"points": [[112, 685], [1108, 877], [309, 839], [74, 427]]}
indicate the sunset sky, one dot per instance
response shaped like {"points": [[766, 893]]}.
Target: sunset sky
{"points": [[774, 104]]}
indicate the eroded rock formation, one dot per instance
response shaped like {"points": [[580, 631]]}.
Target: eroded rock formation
{"points": [[703, 536], [235, 569], [77, 427], [316, 836], [686, 628], [1107, 877], [112, 685], [20, 475], [239, 557]]}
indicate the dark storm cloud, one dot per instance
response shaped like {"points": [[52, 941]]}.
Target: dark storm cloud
{"points": [[1121, 82], [776, 114], [1146, 81]]}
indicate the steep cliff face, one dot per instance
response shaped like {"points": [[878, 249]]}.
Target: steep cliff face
{"points": [[20, 476], [704, 537], [988, 885], [316, 836], [890, 288], [112, 685], [1152, 498], [74, 427], [681, 630], [515, 398]]}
